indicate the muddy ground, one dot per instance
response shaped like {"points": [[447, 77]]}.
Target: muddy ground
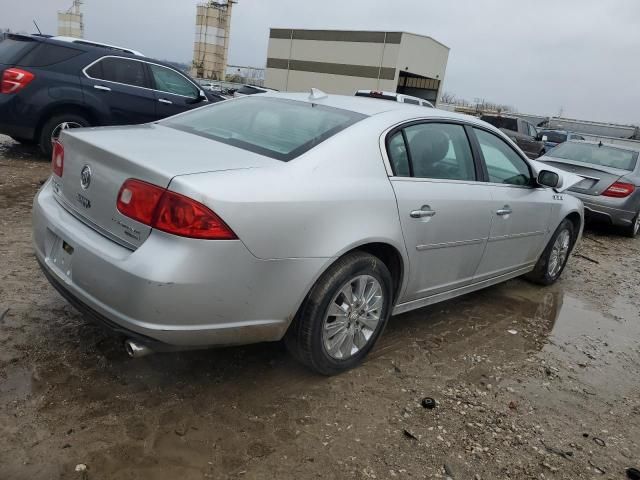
{"points": [[530, 382]]}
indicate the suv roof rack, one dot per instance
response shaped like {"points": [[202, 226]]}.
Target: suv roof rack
{"points": [[80, 41]]}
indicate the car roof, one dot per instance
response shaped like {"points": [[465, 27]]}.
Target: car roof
{"points": [[374, 106], [394, 94], [80, 41]]}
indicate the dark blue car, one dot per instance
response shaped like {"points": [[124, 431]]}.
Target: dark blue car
{"points": [[51, 83]]}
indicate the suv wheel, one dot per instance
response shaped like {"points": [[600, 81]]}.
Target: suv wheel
{"points": [[343, 315], [53, 127]]}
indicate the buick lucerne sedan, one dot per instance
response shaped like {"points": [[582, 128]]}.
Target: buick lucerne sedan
{"points": [[308, 218]]}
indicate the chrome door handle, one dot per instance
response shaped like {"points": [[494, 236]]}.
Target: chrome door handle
{"points": [[102, 87], [164, 100], [424, 212], [506, 210]]}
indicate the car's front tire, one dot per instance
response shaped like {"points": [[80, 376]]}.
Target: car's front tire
{"points": [[52, 128], [343, 315], [555, 256]]}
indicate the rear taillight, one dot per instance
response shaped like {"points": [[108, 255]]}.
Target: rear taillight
{"points": [[15, 79], [619, 190], [138, 200], [170, 212], [57, 158]]}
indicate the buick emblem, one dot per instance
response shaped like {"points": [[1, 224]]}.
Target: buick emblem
{"points": [[85, 177]]}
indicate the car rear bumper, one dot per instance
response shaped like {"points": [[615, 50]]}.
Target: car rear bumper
{"points": [[615, 211], [172, 290]]}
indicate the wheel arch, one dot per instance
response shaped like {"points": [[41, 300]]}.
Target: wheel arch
{"points": [[388, 253], [66, 107]]}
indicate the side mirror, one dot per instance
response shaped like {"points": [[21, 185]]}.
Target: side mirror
{"points": [[201, 97], [544, 138], [547, 178]]}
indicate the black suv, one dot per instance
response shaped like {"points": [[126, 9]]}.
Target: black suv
{"points": [[51, 83]]}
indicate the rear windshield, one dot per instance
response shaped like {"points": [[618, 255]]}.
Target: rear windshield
{"points": [[13, 47], [555, 137], [593, 154], [502, 122], [47, 54], [274, 127]]}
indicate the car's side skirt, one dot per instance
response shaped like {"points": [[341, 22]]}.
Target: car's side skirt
{"points": [[439, 297]]}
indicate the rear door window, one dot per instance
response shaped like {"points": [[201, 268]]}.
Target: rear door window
{"points": [[119, 70], [47, 54], [14, 47], [440, 151], [411, 101]]}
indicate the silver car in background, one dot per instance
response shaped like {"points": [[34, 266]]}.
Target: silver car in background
{"points": [[311, 218], [610, 188]]}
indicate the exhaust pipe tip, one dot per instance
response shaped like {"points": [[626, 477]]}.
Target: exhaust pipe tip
{"points": [[136, 350]]}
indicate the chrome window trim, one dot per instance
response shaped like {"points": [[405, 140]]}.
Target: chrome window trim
{"points": [[84, 71]]}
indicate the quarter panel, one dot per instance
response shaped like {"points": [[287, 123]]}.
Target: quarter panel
{"points": [[334, 196]]}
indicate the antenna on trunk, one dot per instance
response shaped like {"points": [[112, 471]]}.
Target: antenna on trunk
{"points": [[37, 27]]}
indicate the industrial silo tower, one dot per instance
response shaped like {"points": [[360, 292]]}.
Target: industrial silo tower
{"points": [[211, 47], [70, 22]]}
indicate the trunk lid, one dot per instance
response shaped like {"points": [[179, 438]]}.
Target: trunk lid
{"points": [[596, 178], [153, 153]]}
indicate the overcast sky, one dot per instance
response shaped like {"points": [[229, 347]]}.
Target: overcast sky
{"points": [[581, 56]]}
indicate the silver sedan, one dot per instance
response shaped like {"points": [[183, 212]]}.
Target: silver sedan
{"points": [[311, 218], [610, 185]]}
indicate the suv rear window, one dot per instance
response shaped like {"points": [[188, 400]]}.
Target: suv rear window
{"points": [[13, 47], [47, 54], [275, 127], [502, 122]]}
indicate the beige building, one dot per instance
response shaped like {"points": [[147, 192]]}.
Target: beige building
{"points": [[338, 61]]}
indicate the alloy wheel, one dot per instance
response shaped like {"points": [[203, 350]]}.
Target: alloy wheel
{"points": [[55, 133], [559, 253], [352, 317]]}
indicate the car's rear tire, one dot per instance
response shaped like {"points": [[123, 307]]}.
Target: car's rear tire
{"points": [[51, 129], [343, 315], [555, 256], [634, 229]]}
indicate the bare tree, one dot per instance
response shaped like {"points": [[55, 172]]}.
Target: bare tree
{"points": [[448, 97]]}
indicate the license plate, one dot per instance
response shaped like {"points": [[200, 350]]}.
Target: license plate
{"points": [[61, 256], [586, 184]]}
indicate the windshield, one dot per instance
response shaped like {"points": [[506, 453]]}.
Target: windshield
{"points": [[593, 154], [277, 128], [555, 137]]}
